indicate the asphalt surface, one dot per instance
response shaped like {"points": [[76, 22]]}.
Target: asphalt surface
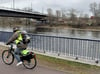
{"points": [[13, 69]]}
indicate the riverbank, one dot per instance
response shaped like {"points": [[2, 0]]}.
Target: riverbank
{"points": [[88, 28], [63, 65]]}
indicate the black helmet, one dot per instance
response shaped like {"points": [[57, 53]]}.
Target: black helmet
{"points": [[15, 29]]}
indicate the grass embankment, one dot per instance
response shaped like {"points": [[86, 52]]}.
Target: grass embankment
{"points": [[67, 66], [63, 65]]}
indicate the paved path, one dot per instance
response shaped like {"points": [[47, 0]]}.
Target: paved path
{"points": [[12, 69]]}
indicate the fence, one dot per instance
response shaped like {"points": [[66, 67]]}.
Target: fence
{"points": [[62, 46]]}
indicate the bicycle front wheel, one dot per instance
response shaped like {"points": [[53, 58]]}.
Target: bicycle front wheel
{"points": [[30, 64], [8, 58]]}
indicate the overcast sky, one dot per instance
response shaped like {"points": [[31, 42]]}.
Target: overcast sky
{"points": [[42, 5]]}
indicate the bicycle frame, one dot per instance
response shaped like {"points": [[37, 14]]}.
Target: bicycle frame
{"points": [[28, 64]]}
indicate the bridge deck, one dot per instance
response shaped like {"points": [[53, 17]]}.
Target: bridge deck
{"points": [[21, 14]]}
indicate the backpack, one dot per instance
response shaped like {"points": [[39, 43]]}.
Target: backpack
{"points": [[26, 38]]}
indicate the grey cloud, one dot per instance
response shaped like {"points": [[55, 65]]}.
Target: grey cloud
{"points": [[81, 5]]}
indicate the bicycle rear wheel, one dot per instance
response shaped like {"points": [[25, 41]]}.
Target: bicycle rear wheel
{"points": [[30, 64], [8, 58]]}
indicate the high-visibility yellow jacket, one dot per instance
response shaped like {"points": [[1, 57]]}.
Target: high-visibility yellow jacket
{"points": [[19, 39]]}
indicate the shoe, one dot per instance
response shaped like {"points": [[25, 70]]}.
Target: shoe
{"points": [[19, 63]]}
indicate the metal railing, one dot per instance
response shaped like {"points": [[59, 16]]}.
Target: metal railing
{"points": [[75, 47], [19, 10]]}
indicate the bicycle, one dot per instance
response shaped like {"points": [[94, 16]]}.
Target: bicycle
{"points": [[29, 60]]}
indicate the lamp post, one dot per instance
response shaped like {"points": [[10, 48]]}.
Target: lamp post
{"points": [[13, 4]]}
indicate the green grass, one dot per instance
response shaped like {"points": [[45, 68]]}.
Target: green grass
{"points": [[64, 65]]}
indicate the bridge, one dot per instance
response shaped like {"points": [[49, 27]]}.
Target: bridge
{"points": [[22, 14]]}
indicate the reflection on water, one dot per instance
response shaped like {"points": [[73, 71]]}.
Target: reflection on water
{"points": [[69, 33], [61, 32]]}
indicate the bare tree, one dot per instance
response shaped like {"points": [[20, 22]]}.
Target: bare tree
{"points": [[93, 8], [58, 13], [72, 14], [99, 9], [63, 14]]}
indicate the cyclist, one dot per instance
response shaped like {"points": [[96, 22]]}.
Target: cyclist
{"points": [[17, 38]]}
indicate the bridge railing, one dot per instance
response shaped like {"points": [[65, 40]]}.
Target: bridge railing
{"points": [[62, 46], [20, 10]]}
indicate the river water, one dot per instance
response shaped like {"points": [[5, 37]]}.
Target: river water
{"points": [[84, 34]]}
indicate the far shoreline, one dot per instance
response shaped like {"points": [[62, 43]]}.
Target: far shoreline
{"points": [[86, 28], [97, 28]]}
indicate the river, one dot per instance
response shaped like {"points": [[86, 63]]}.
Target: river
{"points": [[85, 34]]}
